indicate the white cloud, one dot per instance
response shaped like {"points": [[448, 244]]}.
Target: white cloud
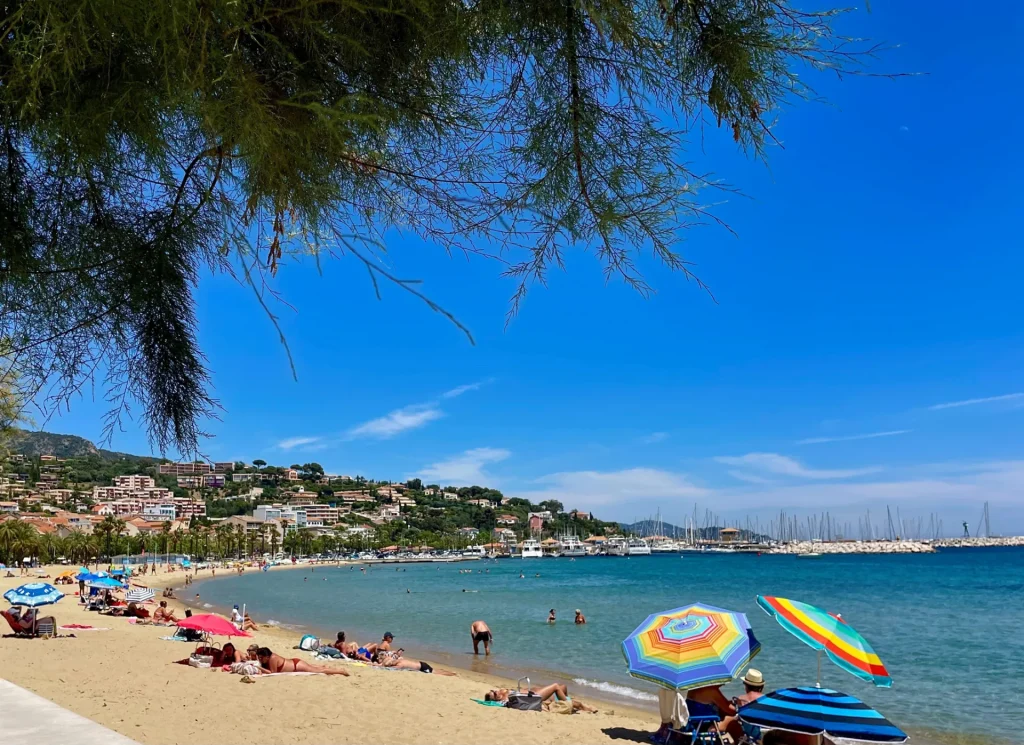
{"points": [[654, 437], [849, 438], [750, 478], [459, 390], [465, 469], [294, 442], [785, 466], [976, 401], [587, 489], [398, 421], [904, 128]]}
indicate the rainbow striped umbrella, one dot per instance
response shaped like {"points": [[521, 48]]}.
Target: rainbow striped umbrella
{"points": [[690, 647], [829, 634]]}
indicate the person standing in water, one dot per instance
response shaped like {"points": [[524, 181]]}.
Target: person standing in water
{"points": [[551, 616], [580, 618], [480, 632]]}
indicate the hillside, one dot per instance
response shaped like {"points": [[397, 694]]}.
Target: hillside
{"points": [[32, 444]]}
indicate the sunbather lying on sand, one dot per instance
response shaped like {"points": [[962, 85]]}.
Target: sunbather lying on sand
{"points": [[556, 691], [275, 663], [396, 661]]}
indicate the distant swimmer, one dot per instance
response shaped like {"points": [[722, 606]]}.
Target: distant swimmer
{"points": [[480, 632], [522, 576], [551, 616], [580, 618]]}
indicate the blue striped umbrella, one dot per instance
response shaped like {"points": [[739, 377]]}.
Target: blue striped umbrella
{"points": [[90, 576], [33, 594], [816, 711]]}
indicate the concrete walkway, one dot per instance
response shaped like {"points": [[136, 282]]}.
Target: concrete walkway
{"points": [[26, 717]]}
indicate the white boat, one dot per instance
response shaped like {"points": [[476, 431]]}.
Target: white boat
{"points": [[638, 547], [616, 546], [532, 550], [570, 545], [664, 547], [475, 551], [809, 555]]}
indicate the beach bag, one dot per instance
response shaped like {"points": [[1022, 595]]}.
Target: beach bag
{"points": [[523, 702], [248, 667], [309, 643], [329, 652], [200, 660]]}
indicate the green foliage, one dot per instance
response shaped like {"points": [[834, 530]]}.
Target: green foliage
{"points": [[144, 142]]}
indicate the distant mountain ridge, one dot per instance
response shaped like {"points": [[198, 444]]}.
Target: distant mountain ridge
{"points": [[32, 444]]}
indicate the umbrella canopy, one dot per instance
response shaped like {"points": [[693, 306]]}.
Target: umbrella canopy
{"points": [[139, 595], [66, 573], [33, 594], [829, 634], [108, 583], [816, 711], [87, 576], [211, 623], [690, 647]]}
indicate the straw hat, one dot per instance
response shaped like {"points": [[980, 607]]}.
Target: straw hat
{"points": [[753, 678]]}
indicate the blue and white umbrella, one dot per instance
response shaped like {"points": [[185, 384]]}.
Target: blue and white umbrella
{"points": [[88, 576], [107, 583], [817, 711], [139, 595], [33, 594]]}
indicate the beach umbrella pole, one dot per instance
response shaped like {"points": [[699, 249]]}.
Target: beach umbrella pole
{"points": [[818, 684]]}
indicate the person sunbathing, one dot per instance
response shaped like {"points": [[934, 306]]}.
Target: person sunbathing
{"points": [[275, 663], [556, 691], [30, 620], [248, 624], [396, 661], [227, 655], [163, 614]]}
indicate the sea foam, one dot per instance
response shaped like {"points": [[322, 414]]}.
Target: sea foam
{"points": [[618, 690]]}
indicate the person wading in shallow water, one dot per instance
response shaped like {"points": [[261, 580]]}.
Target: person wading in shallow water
{"points": [[480, 632]]}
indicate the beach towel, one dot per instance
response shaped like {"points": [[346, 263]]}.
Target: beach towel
{"points": [[80, 627], [482, 702], [248, 667]]}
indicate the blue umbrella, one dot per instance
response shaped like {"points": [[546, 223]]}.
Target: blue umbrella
{"points": [[817, 711], [33, 594], [105, 582], [88, 576]]}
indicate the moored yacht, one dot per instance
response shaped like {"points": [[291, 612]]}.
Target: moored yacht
{"points": [[532, 549], [570, 545], [637, 547]]}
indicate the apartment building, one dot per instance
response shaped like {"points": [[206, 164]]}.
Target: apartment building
{"points": [[135, 481], [184, 469], [224, 467]]}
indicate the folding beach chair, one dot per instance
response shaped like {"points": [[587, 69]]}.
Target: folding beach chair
{"points": [[701, 726]]}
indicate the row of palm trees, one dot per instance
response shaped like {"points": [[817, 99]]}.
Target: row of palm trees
{"points": [[109, 538]]}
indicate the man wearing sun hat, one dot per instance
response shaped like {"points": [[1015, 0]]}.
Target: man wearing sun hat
{"points": [[753, 685]]}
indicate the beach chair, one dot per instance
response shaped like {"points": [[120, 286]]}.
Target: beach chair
{"points": [[15, 626], [701, 726]]}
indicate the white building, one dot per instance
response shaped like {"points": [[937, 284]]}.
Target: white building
{"points": [[159, 513], [134, 481]]}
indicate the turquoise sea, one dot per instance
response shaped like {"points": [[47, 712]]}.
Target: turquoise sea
{"points": [[948, 625]]}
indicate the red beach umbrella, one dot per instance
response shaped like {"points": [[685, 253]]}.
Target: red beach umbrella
{"points": [[211, 623]]}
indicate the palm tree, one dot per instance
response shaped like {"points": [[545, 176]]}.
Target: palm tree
{"points": [[17, 539], [109, 529], [263, 538], [274, 536]]}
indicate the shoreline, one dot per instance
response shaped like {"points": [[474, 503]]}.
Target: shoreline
{"points": [[123, 679], [480, 668]]}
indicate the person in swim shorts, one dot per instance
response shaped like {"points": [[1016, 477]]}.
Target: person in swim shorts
{"points": [[480, 632]]}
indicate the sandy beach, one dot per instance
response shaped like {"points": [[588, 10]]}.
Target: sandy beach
{"points": [[124, 678]]}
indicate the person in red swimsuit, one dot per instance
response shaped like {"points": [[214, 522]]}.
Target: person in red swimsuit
{"points": [[275, 663]]}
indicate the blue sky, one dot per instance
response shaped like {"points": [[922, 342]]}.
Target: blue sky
{"points": [[865, 349]]}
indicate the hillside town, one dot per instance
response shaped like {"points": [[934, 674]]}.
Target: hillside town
{"points": [[145, 505]]}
